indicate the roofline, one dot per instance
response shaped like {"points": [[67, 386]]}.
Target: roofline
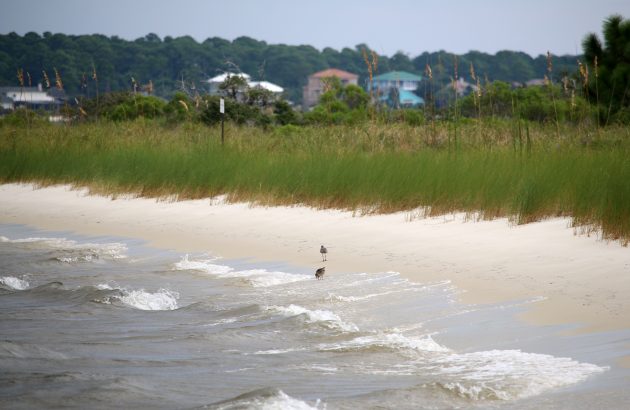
{"points": [[401, 73], [334, 72]]}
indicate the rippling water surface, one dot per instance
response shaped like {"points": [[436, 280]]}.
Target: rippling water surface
{"points": [[107, 322]]}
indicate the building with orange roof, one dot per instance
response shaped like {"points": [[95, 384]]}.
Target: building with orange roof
{"points": [[315, 86]]}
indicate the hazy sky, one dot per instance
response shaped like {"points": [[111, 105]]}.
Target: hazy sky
{"points": [[533, 26]]}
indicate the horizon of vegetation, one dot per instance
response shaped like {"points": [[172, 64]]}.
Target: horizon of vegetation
{"points": [[168, 37], [169, 61]]}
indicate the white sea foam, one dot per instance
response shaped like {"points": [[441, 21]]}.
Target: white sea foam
{"points": [[241, 369], [510, 374], [324, 369], [86, 257], [163, 299], [373, 278], [14, 283], [485, 375], [284, 402], [324, 317], [86, 251], [264, 278], [203, 265], [221, 322], [280, 401], [395, 341], [255, 277], [278, 351], [340, 298]]}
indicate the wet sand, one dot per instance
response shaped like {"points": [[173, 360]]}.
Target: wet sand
{"points": [[582, 281]]}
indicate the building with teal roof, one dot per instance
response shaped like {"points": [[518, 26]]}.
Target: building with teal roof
{"points": [[401, 84], [401, 80], [401, 99]]}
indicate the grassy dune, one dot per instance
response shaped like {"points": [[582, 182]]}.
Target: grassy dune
{"points": [[494, 169]]}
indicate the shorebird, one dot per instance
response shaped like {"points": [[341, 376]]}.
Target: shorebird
{"points": [[319, 273], [323, 251]]}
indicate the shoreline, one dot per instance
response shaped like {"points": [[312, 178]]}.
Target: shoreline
{"points": [[584, 282]]}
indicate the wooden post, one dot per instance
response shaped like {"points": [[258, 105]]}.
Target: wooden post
{"points": [[222, 111]]}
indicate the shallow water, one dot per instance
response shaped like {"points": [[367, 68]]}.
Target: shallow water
{"points": [[102, 322]]}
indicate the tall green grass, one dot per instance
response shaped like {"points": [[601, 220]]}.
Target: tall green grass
{"points": [[372, 168]]}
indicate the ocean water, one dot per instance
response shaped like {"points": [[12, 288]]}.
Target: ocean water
{"points": [[102, 322]]}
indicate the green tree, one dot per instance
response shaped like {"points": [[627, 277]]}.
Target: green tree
{"points": [[233, 85], [284, 113], [612, 57], [355, 97], [259, 96], [339, 104]]}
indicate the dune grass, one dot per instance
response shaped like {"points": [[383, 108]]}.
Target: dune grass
{"points": [[490, 170]]}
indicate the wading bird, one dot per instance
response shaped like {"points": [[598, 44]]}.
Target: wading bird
{"points": [[323, 251]]}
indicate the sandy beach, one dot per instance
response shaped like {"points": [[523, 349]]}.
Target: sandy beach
{"points": [[581, 281]]}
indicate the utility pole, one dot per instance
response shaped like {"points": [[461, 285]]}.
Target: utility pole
{"points": [[222, 111]]}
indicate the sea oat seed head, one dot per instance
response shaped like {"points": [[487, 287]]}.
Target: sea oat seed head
{"points": [[565, 83], [20, 77], [455, 67], [183, 103], [429, 72], [374, 61], [58, 82], [46, 79]]}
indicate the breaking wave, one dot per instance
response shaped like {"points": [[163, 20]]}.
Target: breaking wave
{"points": [[254, 277], [71, 251], [163, 299], [324, 317], [386, 341], [14, 283], [510, 374], [267, 399]]}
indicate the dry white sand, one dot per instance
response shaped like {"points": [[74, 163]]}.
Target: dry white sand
{"points": [[583, 280]]}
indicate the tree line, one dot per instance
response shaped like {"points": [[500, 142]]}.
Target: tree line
{"points": [[96, 63]]}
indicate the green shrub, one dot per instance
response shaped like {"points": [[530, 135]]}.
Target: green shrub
{"points": [[622, 117], [284, 114], [288, 130], [179, 109], [413, 117], [123, 106], [21, 117], [234, 112]]}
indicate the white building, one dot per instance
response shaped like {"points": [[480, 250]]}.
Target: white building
{"points": [[266, 85], [32, 97], [215, 82]]}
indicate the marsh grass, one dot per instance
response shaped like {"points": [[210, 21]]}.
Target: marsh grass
{"points": [[368, 168]]}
